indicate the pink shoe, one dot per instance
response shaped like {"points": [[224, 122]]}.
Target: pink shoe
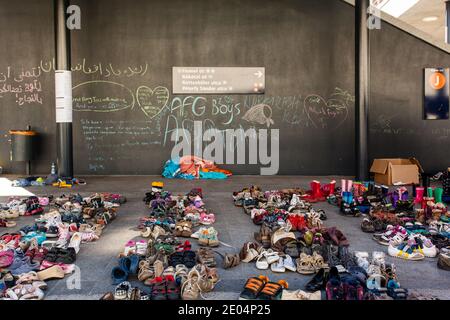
{"points": [[130, 248], [198, 202], [207, 219], [43, 201]]}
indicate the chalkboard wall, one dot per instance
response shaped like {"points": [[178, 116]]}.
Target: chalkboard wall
{"points": [[125, 111]]}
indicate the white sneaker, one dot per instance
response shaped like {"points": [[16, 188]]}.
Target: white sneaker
{"points": [[426, 247], [289, 263], [261, 262], [278, 266], [64, 236], [362, 259], [75, 242], [141, 248], [378, 258], [405, 251]]}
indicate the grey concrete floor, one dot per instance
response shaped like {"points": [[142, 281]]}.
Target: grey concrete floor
{"points": [[96, 259]]}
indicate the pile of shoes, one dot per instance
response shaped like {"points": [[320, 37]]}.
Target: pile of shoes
{"points": [[16, 207], [48, 249], [165, 263], [412, 228], [292, 236], [363, 280]]}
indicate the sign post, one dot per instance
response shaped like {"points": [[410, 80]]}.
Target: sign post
{"points": [[63, 92]]}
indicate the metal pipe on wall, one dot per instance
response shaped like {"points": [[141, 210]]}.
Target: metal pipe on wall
{"points": [[362, 68], [447, 21], [63, 97]]}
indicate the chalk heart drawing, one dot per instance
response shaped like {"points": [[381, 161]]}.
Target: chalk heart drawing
{"points": [[152, 101], [324, 114]]}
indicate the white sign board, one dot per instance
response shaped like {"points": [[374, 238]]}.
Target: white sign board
{"points": [[218, 80], [63, 94]]}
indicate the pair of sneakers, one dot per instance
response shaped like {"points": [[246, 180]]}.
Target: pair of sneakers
{"points": [[283, 264], [207, 237]]}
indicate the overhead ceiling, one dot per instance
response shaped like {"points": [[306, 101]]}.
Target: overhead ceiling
{"points": [[424, 9]]}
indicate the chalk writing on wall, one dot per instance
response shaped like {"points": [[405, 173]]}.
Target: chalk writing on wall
{"points": [[328, 113], [152, 101], [108, 140], [109, 97], [24, 88], [24, 85], [102, 69]]}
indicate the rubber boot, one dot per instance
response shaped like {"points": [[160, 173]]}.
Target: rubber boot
{"points": [[438, 195], [328, 189], [430, 192], [316, 191], [394, 199], [348, 197], [350, 186], [384, 190], [419, 195], [343, 186], [371, 188], [356, 189]]}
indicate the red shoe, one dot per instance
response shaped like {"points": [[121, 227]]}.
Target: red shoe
{"points": [[315, 192], [186, 246], [328, 189]]}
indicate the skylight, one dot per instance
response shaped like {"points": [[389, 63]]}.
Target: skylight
{"points": [[394, 8]]}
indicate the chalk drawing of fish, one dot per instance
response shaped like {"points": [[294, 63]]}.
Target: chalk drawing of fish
{"points": [[260, 113]]}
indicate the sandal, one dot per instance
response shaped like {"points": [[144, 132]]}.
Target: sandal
{"points": [[253, 287], [230, 260], [264, 236], [305, 264], [367, 225], [173, 290], [145, 271], [189, 259], [206, 256], [159, 291], [183, 229], [7, 224], [249, 252], [181, 273], [273, 290]]}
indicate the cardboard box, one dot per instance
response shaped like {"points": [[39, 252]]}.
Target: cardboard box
{"points": [[396, 171]]}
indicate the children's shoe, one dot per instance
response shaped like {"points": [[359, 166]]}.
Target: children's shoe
{"points": [[123, 291], [207, 218], [130, 248], [405, 251], [334, 288], [425, 246], [278, 266], [273, 290], [289, 263], [253, 287]]}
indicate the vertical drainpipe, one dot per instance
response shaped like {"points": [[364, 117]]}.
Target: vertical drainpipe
{"points": [[362, 85], [447, 21], [63, 91]]}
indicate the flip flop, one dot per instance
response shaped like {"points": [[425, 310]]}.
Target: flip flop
{"points": [[54, 272]]}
